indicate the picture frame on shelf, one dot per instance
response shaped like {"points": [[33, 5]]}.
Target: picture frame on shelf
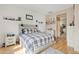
{"points": [[29, 17]]}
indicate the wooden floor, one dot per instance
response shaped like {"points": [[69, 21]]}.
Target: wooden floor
{"points": [[60, 44], [10, 49]]}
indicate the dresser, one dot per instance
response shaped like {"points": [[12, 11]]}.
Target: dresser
{"points": [[10, 39]]}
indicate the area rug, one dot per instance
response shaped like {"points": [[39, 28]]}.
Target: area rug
{"points": [[52, 51]]}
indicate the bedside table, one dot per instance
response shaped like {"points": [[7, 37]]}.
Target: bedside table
{"points": [[10, 40]]}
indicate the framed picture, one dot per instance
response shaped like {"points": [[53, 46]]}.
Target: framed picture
{"points": [[29, 17]]}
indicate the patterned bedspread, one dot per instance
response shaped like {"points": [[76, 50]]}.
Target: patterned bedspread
{"points": [[35, 40]]}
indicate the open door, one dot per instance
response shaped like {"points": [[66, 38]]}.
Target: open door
{"points": [[61, 25]]}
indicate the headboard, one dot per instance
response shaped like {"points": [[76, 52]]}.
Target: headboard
{"points": [[25, 29]]}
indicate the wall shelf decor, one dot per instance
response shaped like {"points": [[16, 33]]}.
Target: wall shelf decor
{"points": [[40, 22], [13, 19]]}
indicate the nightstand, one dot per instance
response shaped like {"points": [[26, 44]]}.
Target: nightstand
{"points": [[10, 39]]}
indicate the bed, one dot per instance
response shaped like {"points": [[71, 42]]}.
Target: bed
{"points": [[33, 40]]}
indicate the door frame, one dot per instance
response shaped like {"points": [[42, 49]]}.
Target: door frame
{"points": [[58, 24]]}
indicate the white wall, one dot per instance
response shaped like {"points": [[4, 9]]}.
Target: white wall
{"points": [[76, 28], [70, 29], [73, 31], [42, 26], [7, 26]]}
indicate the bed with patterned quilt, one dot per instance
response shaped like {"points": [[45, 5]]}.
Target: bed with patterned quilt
{"points": [[34, 41]]}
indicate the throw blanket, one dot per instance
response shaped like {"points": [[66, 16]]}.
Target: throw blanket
{"points": [[35, 40]]}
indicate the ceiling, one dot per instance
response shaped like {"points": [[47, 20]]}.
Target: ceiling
{"points": [[44, 8]]}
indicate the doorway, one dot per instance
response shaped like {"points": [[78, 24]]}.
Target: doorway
{"points": [[61, 21]]}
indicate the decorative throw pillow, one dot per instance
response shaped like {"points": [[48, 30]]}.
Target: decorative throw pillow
{"points": [[29, 30], [35, 30], [26, 31], [23, 31]]}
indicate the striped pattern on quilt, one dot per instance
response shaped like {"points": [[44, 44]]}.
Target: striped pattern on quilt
{"points": [[35, 40]]}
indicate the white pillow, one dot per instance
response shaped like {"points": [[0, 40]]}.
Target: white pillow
{"points": [[26, 32]]}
